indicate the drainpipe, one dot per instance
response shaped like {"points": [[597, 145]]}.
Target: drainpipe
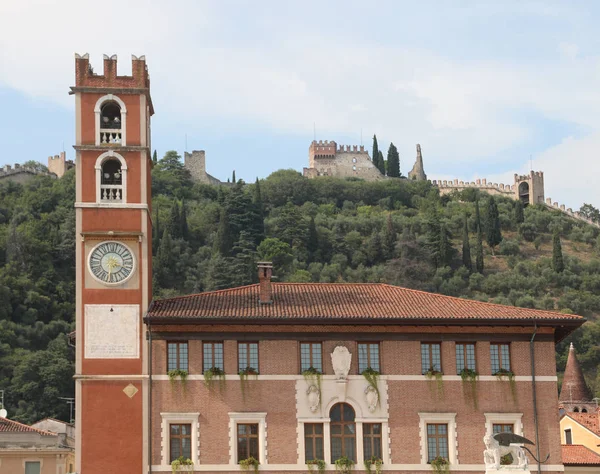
{"points": [[535, 416], [149, 397]]}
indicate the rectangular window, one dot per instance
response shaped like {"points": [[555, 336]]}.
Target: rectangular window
{"points": [[32, 467], [368, 356], [248, 356], [180, 441], [372, 440], [430, 357], [568, 437], [465, 356], [213, 356], [502, 428], [437, 441], [310, 356], [313, 441], [177, 356], [247, 441], [500, 356]]}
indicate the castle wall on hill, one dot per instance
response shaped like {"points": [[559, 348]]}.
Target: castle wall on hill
{"points": [[327, 158], [20, 174], [195, 163], [59, 165]]}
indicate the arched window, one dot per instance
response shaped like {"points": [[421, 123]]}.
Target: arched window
{"points": [[524, 193], [111, 115], [583, 410], [575, 410], [343, 432], [111, 178]]}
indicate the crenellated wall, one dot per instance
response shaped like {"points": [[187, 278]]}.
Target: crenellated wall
{"points": [[327, 158], [21, 174], [568, 211]]}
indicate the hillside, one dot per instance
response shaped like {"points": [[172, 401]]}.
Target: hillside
{"points": [[398, 231]]}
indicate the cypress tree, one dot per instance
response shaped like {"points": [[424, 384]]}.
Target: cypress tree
{"points": [[174, 224], [184, 230], [557, 257], [519, 217], [375, 152], [312, 243], [155, 157], [260, 211], [233, 180], [223, 241], [381, 163], [466, 247], [479, 249], [164, 260], [393, 162], [389, 238], [493, 234]]}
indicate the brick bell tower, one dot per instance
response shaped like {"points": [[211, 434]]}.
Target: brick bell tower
{"points": [[113, 265]]}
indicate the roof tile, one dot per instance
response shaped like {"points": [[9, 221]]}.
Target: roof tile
{"points": [[11, 426], [577, 455]]}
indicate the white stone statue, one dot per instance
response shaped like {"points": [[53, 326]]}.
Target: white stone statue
{"points": [[495, 450], [341, 360], [314, 397], [372, 398]]}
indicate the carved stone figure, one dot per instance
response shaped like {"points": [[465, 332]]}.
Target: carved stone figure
{"points": [[495, 449], [314, 397], [372, 398], [341, 360]]}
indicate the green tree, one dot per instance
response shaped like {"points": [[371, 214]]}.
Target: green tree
{"points": [[479, 248], [276, 251], [174, 223], [466, 247], [155, 157], [244, 260], [312, 242], [381, 164], [224, 239], [183, 227], [393, 162], [260, 210], [170, 177], [519, 217], [233, 180], [557, 257], [375, 153], [389, 237], [493, 233], [590, 212]]}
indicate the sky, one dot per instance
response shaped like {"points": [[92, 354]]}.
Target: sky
{"points": [[488, 89]]}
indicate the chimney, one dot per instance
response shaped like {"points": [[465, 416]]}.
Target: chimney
{"points": [[265, 271]]}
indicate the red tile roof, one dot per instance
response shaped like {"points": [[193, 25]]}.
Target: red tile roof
{"points": [[10, 426], [344, 301], [578, 455], [590, 420]]}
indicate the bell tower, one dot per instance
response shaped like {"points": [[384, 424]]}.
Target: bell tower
{"points": [[113, 265]]}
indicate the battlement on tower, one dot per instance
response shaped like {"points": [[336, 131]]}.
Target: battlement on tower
{"points": [[86, 77], [327, 158]]}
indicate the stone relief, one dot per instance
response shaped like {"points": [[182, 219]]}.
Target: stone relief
{"points": [[341, 360], [372, 398], [314, 397]]}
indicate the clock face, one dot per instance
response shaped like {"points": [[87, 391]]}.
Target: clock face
{"points": [[111, 263]]}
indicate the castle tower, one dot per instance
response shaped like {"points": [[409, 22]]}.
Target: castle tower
{"points": [[529, 188], [418, 171], [575, 395], [113, 265]]}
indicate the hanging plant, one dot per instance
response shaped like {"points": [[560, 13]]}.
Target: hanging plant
{"points": [[344, 465], [431, 374], [312, 376], [500, 374], [211, 374], [506, 460], [178, 374], [469, 378], [180, 462], [319, 464], [244, 378], [440, 465], [373, 461], [251, 462], [372, 377]]}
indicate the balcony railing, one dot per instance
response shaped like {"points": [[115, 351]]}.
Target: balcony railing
{"points": [[110, 137], [111, 193]]}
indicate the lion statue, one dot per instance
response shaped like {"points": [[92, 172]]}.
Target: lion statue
{"points": [[496, 448]]}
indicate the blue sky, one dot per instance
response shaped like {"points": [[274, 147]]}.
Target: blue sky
{"points": [[482, 86]]}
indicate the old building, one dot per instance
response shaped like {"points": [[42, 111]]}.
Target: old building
{"points": [[59, 165], [113, 265], [327, 158], [31, 450], [579, 459], [286, 373], [195, 163]]}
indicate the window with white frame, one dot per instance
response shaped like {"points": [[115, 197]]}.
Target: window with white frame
{"points": [[438, 437], [33, 467], [502, 422], [111, 178], [111, 120], [247, 437], [180, 436]]}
